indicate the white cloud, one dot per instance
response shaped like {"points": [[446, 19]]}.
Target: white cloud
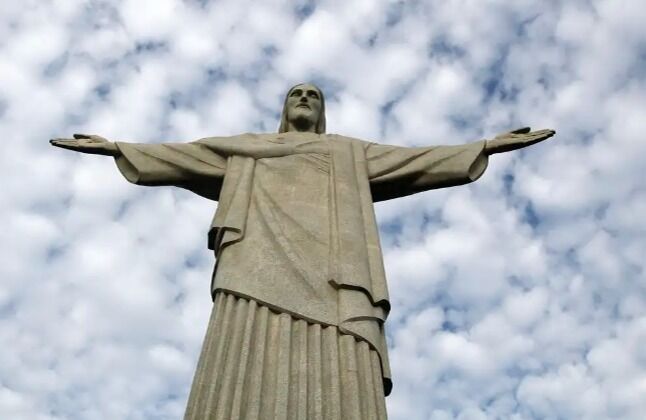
{"points": [[521, 296]]}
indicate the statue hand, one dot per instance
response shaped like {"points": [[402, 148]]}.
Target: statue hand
{"points": [[87, 143], [516, 139]]}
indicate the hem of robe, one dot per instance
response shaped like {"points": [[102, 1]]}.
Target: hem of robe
{"points": [[258, 363], [359, 328]]}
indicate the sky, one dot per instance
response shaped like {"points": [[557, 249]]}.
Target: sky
{"points": [[520, 296]]}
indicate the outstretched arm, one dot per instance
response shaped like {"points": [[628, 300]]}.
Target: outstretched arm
{"points": [[399, 171], [193, 166]]}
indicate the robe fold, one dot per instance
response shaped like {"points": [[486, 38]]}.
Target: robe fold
{"points": [[295, 229]]}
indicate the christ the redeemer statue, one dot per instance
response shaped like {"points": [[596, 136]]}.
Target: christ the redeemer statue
{"points": [[299, 291]]}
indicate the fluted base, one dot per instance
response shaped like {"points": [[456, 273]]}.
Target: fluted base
{"points": [[259, 364]]}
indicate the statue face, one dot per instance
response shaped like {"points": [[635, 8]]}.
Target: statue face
{"points": [[304, 103]]}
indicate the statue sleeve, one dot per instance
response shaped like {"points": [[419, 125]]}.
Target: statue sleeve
{"points": [[187, 165], [399, 171]]}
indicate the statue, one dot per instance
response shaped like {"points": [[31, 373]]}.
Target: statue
{"points": [[299, 290]]}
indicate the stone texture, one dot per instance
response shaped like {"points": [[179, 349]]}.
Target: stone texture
{"points": [[295, 226], [257, 363]]}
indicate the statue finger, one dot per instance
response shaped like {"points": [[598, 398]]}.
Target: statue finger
{"points": [[65, 144], [545, 130], [538, 136], [82, 136], [543, 133]]}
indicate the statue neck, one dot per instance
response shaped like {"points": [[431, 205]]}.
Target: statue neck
{"points": [[302, 125]]}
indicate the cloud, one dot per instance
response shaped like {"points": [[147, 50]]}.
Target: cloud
{"points": [[520, 296]]}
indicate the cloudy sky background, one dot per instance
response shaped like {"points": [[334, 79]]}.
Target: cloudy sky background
{"points": [[522, 296]]}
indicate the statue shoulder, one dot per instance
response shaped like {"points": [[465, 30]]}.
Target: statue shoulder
{"points": [[226, 139], [347, 139]]}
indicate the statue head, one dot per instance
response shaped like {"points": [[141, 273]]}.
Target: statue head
{"points": [[303, 110]]}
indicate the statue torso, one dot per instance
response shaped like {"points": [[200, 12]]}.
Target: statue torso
{"points": [[283, 259]]}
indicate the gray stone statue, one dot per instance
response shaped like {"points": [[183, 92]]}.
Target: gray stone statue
{"points": [[299, 291]]}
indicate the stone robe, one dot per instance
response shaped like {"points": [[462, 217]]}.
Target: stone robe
{"points": [[295, 228]]}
